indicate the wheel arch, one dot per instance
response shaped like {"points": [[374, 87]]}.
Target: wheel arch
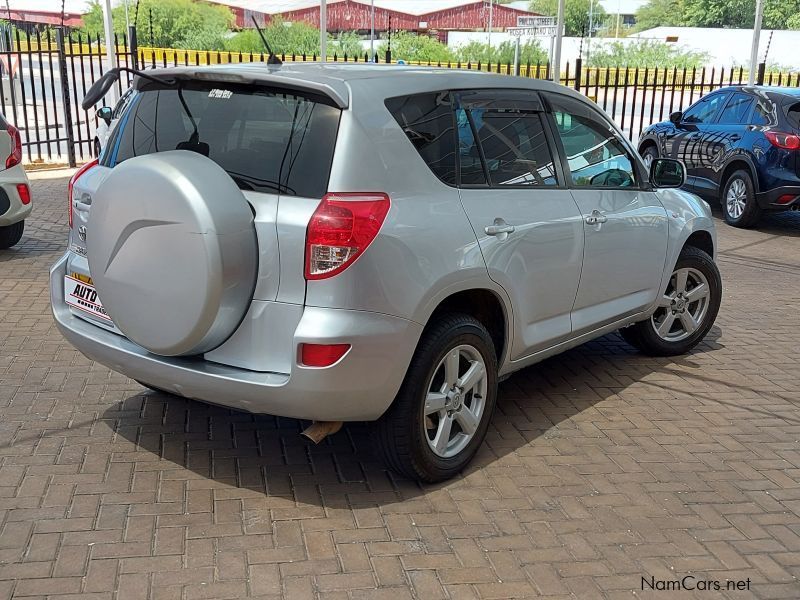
{"points": [[739, 162], [487, 307], [647, 143], [702, 240]]}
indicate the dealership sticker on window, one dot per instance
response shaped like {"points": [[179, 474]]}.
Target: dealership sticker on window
{"points": [[217, 93]]}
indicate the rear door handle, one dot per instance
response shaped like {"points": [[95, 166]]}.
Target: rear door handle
{"points": [[500, 228], [734, 137], [596, 218]]}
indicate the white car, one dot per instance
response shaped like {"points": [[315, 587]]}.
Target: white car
{"points": [[15, 193], [107, 120]]}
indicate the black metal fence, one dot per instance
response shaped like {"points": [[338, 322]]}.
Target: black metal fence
{"points": [[45, 76]]}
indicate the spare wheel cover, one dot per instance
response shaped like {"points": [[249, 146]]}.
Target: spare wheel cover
{"points": [[172, 251]]}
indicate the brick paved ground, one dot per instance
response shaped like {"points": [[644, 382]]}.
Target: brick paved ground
{"points": [[601, 467]]}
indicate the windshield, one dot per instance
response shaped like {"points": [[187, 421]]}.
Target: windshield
{"points": [[267, 140]]}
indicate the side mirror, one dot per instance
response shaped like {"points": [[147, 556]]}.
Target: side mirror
{"points": [[99, 88], [105, 113], [676, 117], [667, 173]]}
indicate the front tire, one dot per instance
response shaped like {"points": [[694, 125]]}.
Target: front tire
{"points": [[686, 310], [739, 205], [441, 413], [648, 154], [97, 148], [10, 235]]}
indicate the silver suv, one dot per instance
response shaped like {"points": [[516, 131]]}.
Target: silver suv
{"points": [[372, 243]]}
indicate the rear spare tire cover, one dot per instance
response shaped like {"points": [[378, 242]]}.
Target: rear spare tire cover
{"points": [[172, 251]]}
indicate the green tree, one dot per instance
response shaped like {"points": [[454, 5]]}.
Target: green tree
{"points": [[409, 46], [175, 23], [576, 14], [646, 53], [778, 14]]}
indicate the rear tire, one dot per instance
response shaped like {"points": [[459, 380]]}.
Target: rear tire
{"points": [[687, 310], [739, 205], [10, 235], [441, 413]]}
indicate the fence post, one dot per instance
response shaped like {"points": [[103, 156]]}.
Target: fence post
{"points": [[762, 67], [133, 46], [65, 95], [578, 66]]}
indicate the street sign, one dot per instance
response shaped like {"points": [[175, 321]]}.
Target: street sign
{"points": [[536, 21], [542, 31]]}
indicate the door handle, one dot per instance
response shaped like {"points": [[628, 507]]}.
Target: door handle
{"points": [[694, 136], [734, 137], [596, 218], [500, 228]]}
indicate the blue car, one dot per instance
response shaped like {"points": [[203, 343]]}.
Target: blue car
{"points": [[740, 145]]}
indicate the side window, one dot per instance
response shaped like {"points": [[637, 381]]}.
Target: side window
{"points": [[427, 120], [122, 104], [501, 135], [764, 113], [704, 110], [737, 109], [596, 156]]}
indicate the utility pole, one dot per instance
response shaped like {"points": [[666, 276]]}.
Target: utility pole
{"points": [[372, 32], [591, 28], [323, 31], [555, 70], [489, 37], [751, 77], [111, 51]]}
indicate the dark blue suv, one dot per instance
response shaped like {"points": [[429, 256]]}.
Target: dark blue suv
{"points": [[741, 145]]}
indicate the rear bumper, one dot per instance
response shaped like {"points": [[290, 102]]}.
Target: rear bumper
{"points": [[360, 387], [768, 200], [12, 210]]}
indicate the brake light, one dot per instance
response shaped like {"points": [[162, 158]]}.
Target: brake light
{"points": [[341, 229], [322, 355], [24, 193], [787, 141], [16, 147], [71, 185]]}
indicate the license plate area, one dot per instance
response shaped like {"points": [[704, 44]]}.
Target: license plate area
{"points": [[79, 293]]}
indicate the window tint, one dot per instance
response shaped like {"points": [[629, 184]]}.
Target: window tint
{"points": [[427, 120], [737, 109], [266, 139], [595, 154], [511, 144], [704, 110], [122, 104]]}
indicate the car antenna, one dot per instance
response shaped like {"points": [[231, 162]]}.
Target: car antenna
{"points": [[272, 59]]}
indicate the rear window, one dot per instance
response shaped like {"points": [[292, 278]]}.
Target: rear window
{"points": [[268, 140], [793, 115]]}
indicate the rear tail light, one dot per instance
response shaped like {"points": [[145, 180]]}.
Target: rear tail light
{"points": [[24, 193], [787, 141], [16, 147], [786, 198], [322, 355], [73, 179], [341, 228]]}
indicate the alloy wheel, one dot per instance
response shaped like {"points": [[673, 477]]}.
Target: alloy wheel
{"points": [[455, 401], [736, 198], [683, 307]]}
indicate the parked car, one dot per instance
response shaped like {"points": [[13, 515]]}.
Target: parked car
{"points": [[15, 193], [740, 146], [107, 118], [373, 243]]}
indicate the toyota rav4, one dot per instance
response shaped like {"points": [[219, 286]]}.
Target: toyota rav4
{"points": [[372, 243]]}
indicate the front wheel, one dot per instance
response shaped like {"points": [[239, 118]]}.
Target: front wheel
{"points": [[442, 411], [648, 154], [686, 310]]}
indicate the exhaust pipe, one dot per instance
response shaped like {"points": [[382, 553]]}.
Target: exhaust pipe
{"points": [[319, 430]]}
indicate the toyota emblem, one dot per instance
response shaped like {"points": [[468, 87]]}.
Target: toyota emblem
{"points": [[82, 232]]}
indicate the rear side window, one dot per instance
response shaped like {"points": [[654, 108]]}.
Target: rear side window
{"points": [[736, 111], [793, 115], [427, 121], [704, 110], [267, 140]]}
